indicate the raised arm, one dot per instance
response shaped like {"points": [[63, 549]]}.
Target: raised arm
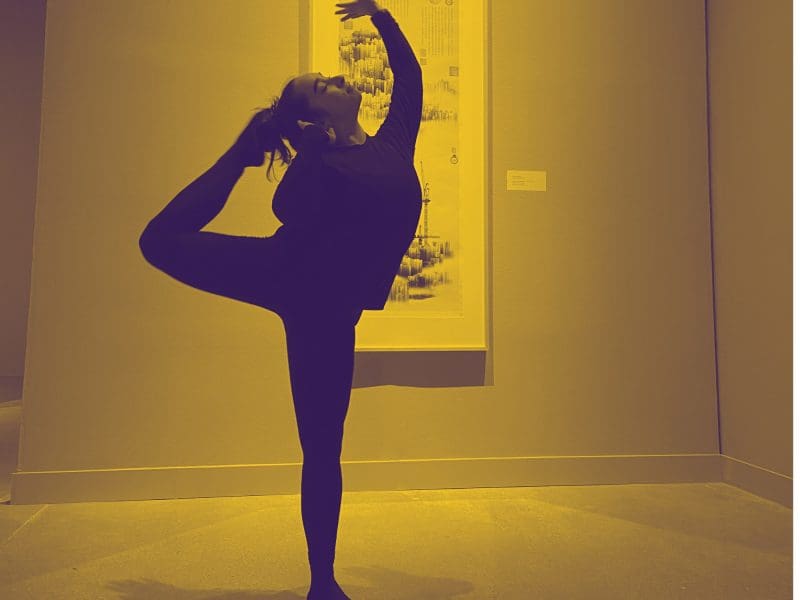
{"points": [[401, 125], [405, 109]]}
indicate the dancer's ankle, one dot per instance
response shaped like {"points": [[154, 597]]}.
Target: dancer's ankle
{"points": [[321, 570], [318, 582]]}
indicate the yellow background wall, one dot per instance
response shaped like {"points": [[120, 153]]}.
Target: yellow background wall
{"points": [[602, 322], [21, 55], [751, 165]]}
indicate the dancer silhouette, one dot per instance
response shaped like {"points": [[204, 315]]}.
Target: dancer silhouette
{"points": [[346, 198]]}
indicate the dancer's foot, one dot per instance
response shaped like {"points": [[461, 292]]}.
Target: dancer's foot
{"points": [[249, 147], [326, 591]]}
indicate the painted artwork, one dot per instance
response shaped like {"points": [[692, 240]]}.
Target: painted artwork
{"points": [[434, 280]]}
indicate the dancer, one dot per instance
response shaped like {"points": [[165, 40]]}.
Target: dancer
{"points": [[349, 203]]}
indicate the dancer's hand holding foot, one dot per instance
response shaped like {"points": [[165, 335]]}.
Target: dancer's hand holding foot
{"points": [[248, 148]]}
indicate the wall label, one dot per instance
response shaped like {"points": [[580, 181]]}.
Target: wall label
{"points": [[529, 181]]}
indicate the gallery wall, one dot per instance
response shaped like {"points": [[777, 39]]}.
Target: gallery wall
{"points": [[751, 166], [21, 56], [602, 323]]}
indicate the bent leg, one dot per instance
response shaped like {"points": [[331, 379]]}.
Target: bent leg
{"points": [[238, 267], [249, 269]]}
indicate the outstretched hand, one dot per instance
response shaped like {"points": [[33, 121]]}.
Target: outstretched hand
{"points": [[357, 8]]}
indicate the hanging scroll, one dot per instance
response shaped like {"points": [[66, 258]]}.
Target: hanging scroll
{"points": [[438, 299]]}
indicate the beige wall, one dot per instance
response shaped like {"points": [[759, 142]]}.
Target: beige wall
{"points": [[21, 55], [750, 55], [602, 301]]}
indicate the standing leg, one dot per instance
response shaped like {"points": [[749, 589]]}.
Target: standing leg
{"points": [[321, 354]]}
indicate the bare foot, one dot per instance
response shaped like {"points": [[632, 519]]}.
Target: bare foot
{"points": [[329, 591]]}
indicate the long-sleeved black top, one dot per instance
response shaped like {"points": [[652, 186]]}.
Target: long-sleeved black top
{"points": [[352, 211]]}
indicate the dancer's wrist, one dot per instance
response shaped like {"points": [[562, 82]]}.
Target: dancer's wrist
{"points": [[232, 161], [375, 8]]}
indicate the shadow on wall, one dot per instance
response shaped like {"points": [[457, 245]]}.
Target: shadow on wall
{"points": [[10, 418], [10, 389], [422, 368]]}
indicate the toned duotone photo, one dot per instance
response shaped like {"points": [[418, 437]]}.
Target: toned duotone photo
{"points": [[396, 300]]}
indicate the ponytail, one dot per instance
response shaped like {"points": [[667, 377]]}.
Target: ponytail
{"points": [[270, 134], [279, 124]]}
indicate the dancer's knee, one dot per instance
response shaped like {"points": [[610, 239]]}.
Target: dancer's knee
{"points": [[321, 453], [164, 250], [152, 246]]}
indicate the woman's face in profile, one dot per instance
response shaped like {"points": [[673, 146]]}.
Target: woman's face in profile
{"points": [[332, 96]]}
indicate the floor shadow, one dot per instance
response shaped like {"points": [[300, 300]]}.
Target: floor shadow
{"points": [[149, 589], [381, 583], [400, 585]]}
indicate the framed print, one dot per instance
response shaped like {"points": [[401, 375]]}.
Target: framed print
{"points": [[439, 296]]}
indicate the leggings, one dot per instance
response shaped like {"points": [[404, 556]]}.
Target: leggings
{"points": [[320, 341]]}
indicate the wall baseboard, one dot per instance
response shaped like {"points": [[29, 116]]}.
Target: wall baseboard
{"points": [[757, 480], [150, 483]]}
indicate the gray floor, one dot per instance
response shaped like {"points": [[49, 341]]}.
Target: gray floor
{"points": [[702, 541]]}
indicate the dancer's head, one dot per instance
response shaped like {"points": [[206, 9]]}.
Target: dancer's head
{"points": [[329, 102], [332, 97]]}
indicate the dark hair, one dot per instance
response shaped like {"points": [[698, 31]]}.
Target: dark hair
{"points": [[280, 123]]}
